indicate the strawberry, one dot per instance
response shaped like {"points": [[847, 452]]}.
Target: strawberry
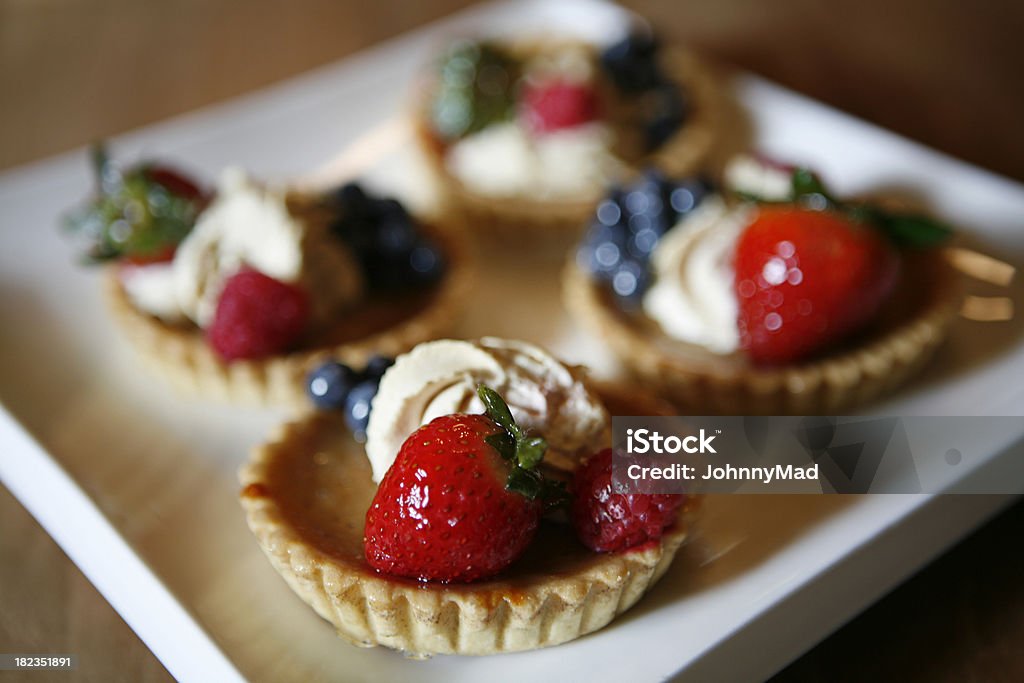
{"points": [[257, 316], [558, 104], [461, 501], [805, 279], [139, 214], [611, 522], [174, 182]]}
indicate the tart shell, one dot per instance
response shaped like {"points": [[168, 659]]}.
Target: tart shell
{"points": [[701, 383], [181, 355], [558, 593], [552, 225]]}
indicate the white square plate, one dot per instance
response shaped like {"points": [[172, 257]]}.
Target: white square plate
{"points": [[139, 486]]}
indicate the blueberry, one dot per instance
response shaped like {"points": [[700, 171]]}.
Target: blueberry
{"points": [[350, 196], [329, 384], [689, 193], [389, 208], [609, 211], [603, 249], [665, 109], [376, 367], [631, 63], [426, 263], [395, 236], [385, 272], [629, 282], [642, 243], [357, 407], [646, 204]]}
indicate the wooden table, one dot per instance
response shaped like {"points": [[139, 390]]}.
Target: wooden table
{"points": [[943, 72]]}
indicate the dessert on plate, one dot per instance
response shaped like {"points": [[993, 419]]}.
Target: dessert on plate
{"points": [[772, 297], [238, 293], [524, 134], [479, 518]]}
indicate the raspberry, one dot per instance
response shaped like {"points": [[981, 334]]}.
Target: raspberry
{"points": [[612, 522], [559, 104], [257, 316]]}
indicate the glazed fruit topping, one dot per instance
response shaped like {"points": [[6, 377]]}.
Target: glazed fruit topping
{"points": [[139, 214], [476, 87], [336, 386], [627, 227], [462, 500], [558, 104], [806, 278], [606, 521], [257, 316], [386, 240]]}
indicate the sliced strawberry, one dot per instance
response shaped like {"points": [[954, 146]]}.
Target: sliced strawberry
{"points": [[805, 279], [558, 104]]}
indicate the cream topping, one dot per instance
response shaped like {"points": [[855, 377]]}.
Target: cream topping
{"points": [[245, 225], [150, 288], [753, 177], [692, 297], [507, 160], [440, 378]]}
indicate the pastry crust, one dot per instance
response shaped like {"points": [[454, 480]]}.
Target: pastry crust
{"points": [[181, 355], [554, 224], [557, 592], [700, 382]]}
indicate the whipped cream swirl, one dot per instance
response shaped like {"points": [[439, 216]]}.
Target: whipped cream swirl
{"points": [[693, 298], [440, 378]]}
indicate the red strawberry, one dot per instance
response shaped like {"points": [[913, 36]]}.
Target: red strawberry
{"points": [[612, 522], [461, 501], [173, 181], [805, 279], [558, 104], [257, 316]]}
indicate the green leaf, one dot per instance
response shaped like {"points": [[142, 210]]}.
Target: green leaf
{"points": [[913, 230], [526, 482], [503, 443], [555, 494], [806, 182], [497, 409], [530, 451]]}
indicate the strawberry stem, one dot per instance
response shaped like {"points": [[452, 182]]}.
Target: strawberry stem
{"points": [[523, 452]]}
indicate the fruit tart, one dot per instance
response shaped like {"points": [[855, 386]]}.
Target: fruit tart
{"points": [[238, 293], [524, 135], [771, 297], [441, 535]]}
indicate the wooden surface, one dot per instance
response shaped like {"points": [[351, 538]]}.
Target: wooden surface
{"points": [[943, 72]]}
